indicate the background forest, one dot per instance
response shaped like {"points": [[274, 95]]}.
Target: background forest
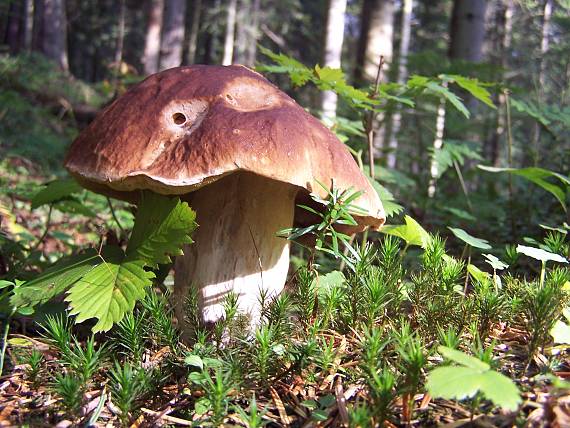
{"points": [[459, 111]]}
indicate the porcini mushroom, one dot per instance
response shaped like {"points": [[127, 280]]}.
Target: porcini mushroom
{"points": [[241, 152]]}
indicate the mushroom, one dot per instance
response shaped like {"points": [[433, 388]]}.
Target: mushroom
{"points": [[242, 153]]}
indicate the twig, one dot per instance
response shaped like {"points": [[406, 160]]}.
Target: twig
{"points": [[4, 342], [369, 129], [115, 216]]}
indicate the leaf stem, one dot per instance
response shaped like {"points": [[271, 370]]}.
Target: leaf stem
{"points": [[115, 216], [5, 341]]}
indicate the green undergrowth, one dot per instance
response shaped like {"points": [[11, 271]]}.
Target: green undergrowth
{"points": [[360, 346]]}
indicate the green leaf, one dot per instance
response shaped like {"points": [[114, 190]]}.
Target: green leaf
{"points": [[469, 239], [538, 176], [442, 91], [474, 87], [454, 151], [462, 358], [495, 262], [468, 379], [194, 361], [331, 280], [411, 232], [73, 206], [109, 290], [162, 226], [55, 280], [55, 191], [391, 208], [202, 406], [298, 73], [540, 254], [480, 276]]}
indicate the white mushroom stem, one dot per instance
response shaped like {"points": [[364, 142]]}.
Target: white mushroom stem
{"points": [[236, 247]]}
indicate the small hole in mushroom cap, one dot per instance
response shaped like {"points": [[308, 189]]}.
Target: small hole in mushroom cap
{"points": [[179, 118]]}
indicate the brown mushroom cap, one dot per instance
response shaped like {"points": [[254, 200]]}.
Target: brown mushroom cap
{"points": [[186, 127]]}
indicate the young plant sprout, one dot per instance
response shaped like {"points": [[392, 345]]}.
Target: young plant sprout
{"points": [[542, 255], [243, 154]]}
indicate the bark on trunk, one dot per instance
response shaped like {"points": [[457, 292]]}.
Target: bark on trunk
{"points": [[401, 76], [544, 47], [38, 28], [152, 42], [376, 38], [172, 41], [54, 44], [194, 30], [334, 36], [14, 26], [251, 51], [467, 32], [230, 33], [235, 247], [27, 25], [119, 46], [500, 46]]}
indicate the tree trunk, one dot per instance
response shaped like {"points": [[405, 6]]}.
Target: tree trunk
{"points": [[467, 32], [27, 25], [500, 46], [466, 37], [172, 41], [38, 27], [401, 76], [14, 27], [251, 51], [334, 36], [119, 46], [152, 42], [544, 47], [54, 44], [194, 30], [230, 33], [376, 38]]}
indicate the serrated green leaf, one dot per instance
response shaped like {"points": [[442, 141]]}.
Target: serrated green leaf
{"points": [[474, 87], [391, 208], [55, 279], [109, 290], [455, 101], [459, 383], [538, 176], [162, 226], [55, 191], [411, 232], [462, 358], [469, 239]]}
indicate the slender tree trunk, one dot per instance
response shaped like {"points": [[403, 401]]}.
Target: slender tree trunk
{"points": [[38, 27], [230, 33], [55, 32], [172, 41], [251, 51], [401, 76], [242, 30], [334, 36], [194, 30], [28, 24], [544, 47], [152, 42], [500, 47], [119, 46]]}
